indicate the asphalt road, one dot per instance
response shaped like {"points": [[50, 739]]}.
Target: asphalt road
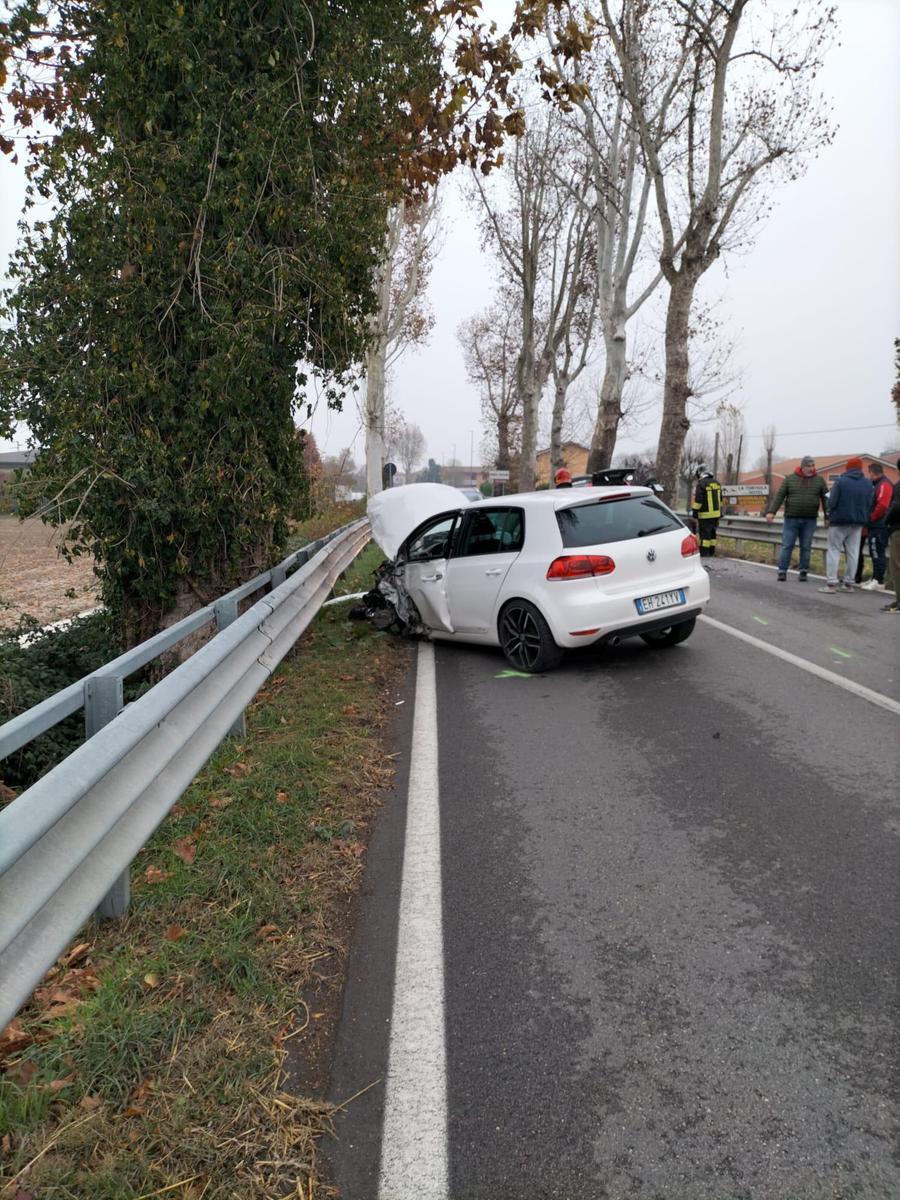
{"points": [[669, 899]]}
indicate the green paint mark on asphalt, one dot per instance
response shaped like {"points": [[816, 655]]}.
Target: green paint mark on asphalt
{"points": [[761, 621], [842, 653], [508, 674]]}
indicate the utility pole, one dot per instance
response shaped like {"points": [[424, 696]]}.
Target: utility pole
{"points": [[472, 455], [716, 457]]}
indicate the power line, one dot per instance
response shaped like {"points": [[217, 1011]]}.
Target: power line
{"points": [[810, 432]]}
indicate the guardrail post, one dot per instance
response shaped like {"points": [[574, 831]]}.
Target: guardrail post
{"points": [[103, 700], [226, 611], [279, 574]]}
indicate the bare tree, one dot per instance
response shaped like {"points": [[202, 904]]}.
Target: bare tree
{"points": [[730, 433], [490, 352], [769, 435], [697, 451], [544, 246], [619, 200], [410, 448], [401, 317], [719, 104]]}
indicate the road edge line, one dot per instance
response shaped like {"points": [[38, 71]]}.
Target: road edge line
{"points": [[414, 1156], [858, 689]]}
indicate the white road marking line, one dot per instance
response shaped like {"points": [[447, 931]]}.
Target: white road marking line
{"points": [[414, 1135], [848, 685]]}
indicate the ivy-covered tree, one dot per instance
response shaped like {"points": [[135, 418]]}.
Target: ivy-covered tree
{"points": [[217, 179]]}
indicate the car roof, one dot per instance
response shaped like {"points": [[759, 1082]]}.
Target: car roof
{"points": [[562, 497]]}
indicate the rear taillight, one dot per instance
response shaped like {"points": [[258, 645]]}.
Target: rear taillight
{"points": [[690, 546], [580, 566]]}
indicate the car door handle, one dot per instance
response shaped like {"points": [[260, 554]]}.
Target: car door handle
{"points": [[432, 578], [495, 571]]}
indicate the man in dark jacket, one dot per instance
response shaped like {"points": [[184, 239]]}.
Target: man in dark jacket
{"points": [[801, 494], [892, 522], [878, 531], [849, 504]]}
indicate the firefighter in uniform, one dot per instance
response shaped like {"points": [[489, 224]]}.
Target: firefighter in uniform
{"points": [[707, 508]]}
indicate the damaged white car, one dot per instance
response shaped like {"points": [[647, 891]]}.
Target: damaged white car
{"points": [[539, 572]]}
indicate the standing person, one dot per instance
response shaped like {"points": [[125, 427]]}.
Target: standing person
{"points": [[879, 534], [849, 504], [801, 494], [707, 508], [892, 523]]}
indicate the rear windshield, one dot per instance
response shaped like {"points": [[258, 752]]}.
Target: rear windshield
{"points": [[614, 521]]}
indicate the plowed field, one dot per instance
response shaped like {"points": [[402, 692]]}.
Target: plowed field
{"points": [[34, 578]]}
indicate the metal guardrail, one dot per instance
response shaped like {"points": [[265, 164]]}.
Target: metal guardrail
{"points": [[758, 529], [66, 841]]}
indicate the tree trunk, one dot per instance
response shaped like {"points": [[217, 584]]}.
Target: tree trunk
{"points": [[503, 447], [609, 413], [375, 418], [561, 387], [677, 391]]}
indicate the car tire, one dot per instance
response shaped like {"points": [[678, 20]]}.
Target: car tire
{"points": [[671, 635], [526, 640]]}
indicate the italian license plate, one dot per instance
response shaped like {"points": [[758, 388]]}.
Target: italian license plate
{"points": [[649, 604]]}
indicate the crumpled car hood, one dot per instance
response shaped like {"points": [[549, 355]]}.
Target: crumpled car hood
{"points": [[395, 512]]}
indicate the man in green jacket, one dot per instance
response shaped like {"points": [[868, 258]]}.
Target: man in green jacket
{"points": [[801, 494]]}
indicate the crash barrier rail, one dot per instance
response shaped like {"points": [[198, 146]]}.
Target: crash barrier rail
{"points": [[67, 842], [758, 529]]}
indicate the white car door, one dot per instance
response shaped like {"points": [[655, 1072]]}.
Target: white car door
{"points": [[488, 545], [425, 571]]}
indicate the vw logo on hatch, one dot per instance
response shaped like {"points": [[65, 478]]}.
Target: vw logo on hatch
{"points": [[651, 556]]}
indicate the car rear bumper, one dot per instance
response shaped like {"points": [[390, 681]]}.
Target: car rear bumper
{"points": [[586, 618], [675, 616]]}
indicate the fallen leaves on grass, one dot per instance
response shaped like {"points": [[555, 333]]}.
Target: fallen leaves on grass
{"points": [[186, 849], [237, 770], [281, 797], [174, 933], [155, 875], [220, 801], [13, 1039]]}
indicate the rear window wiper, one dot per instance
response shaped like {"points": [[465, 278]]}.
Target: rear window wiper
{"points": [[654, 529]]}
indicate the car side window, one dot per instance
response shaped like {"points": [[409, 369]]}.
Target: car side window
{"points": [[433, 541], [492, 531]]}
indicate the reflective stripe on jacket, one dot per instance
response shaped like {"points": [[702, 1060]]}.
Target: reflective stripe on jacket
{"points": [[708, 500]]}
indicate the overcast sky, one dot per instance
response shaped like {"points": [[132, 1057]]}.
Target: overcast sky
{"points": [[813, 308]]}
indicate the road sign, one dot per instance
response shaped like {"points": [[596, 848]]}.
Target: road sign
{"points": [[499, 476], [745, 489]]}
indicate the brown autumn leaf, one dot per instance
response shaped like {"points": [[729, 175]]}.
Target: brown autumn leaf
{"points": [[57, 1085], [151, 980], [186, 849], [77, 953], [24, 1072], [281, 797], [175, 933], [220, 801], [23, 1193], [265, 930], [6, 1144], [6, 793], [238, 770], [349, 710], [155, 875], [90, 1103], [13, 1039]]}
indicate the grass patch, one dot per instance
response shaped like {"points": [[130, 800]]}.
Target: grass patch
{"points": [[161, 1051]]}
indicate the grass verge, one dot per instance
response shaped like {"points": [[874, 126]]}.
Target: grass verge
{"points": [[765, 552], [160, 1055]]}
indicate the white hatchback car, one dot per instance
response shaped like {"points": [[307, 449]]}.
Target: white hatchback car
{"points": [[542, 571]]}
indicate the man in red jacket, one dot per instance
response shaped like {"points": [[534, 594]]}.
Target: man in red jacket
{"points": [[879, 534]]}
